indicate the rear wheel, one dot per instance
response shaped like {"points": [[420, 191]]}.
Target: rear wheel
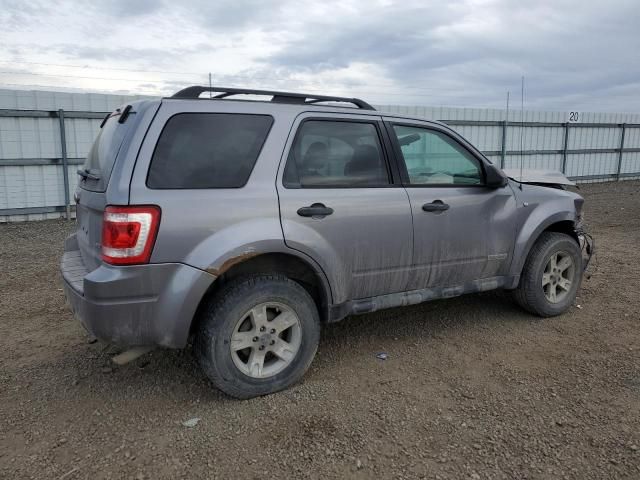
{"points": [[551, 275], [258, 335]]}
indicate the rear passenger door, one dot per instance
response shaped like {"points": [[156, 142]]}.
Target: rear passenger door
{"points": [[342, 203]]}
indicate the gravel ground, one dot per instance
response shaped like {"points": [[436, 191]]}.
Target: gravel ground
{"points": [[472, 388]]}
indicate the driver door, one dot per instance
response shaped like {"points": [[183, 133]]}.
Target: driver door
{"points": [[463, 230]]}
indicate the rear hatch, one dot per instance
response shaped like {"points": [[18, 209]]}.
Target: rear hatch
{"points": [[91, 195]]}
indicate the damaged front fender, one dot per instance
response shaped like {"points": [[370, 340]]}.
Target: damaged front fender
{"points": [[538, 177], [587, 246]]}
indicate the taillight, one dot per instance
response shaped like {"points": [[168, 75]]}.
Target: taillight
{"points": [[128, 234]]}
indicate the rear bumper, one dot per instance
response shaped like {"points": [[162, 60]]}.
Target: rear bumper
{"points": [[150, 304]]}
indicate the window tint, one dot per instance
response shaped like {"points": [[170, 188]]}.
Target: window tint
{"points": [[432, 157], [207, 150], [336, 154], [102, 155]]}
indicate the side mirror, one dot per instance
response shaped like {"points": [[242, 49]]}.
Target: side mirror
{"points": [[494, 177]]}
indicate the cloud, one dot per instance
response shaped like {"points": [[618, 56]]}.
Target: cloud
{"points": [[15, 14], [475, 49], [226, 15], [461, 52], [147, 57], [128, 8]]}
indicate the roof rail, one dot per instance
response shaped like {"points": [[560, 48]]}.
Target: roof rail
{"points": [[279, 97]]}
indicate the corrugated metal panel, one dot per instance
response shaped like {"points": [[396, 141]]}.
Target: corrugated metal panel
{"points": [[29, 138], [33, 186], [540, 162], [39, 138], [484, 138], [43, 100], [534, 138], [30, 217], [582, 137], [590, 164], [630, 162], [632, 138]]}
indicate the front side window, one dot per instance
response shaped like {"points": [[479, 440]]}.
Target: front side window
{"points": [[336, 154], [431, 157], [207, 150]]}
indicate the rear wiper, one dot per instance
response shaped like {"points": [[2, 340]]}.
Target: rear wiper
{"points": [[86, 173]]}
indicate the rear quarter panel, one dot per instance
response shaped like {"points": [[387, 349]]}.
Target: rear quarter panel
{"points": [[209, 228]]}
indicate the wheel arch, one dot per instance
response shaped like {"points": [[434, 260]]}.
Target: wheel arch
{"points": [[302, 270], [568, 227], [561, 222]]}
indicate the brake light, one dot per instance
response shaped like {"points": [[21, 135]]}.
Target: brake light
{"points": [[128, 234]]}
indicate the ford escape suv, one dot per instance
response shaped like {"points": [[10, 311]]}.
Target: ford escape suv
{"points": [[247, 220]]}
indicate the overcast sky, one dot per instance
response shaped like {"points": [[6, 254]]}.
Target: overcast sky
{"points": [[574, 55]]}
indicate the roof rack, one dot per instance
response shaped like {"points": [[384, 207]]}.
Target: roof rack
{"points": [[279, 97]]}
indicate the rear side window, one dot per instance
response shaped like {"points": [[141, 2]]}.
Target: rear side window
{"points": [[207, 150], [329, 154]]}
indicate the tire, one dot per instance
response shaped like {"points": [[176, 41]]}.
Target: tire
{"points": [[235, 317], [538, 279]]}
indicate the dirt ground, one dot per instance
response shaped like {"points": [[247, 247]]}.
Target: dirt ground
{"points": [[472, 388]]}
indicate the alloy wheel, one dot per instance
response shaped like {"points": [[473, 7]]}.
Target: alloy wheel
{"points": [[265, 340], [558, 276]]}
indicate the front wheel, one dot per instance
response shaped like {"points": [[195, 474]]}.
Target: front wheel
{"points": [[258, 335], [551, 275]]}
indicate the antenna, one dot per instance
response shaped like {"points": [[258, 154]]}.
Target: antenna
{"points": [[521, 129]]}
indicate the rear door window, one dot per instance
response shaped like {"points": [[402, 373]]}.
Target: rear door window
{"points": [[329, 153], [207, 150]]}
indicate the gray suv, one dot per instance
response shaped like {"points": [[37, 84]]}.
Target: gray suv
{"points": [[246, 224]]}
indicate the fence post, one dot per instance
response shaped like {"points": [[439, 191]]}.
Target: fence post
{"points": [[564, 147], [624, 127], [65, 163], [503, 153]]}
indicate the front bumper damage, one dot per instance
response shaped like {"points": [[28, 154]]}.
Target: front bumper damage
{"points": [[587, 246]]}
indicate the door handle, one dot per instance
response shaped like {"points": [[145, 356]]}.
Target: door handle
{"points": [[435, 206], [315, 210]]}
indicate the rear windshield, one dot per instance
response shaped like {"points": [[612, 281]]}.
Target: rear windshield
{"points": [[207, 150], [102, 155]]}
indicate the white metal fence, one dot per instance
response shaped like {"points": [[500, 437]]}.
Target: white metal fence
{"points": [[590, 147], [41, 132]]}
